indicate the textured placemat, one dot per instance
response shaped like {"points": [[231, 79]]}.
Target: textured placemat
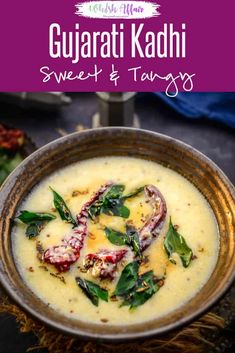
{"points": [[210, 333]]}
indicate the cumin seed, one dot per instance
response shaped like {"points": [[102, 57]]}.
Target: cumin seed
{"points": [[61, 278], [104, 320]]}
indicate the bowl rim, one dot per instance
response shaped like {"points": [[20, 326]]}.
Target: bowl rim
{"points": [[124, 336]]}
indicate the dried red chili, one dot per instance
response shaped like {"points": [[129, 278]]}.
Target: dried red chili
{"points": [[104, 263], [11, 139], [64, 255]]}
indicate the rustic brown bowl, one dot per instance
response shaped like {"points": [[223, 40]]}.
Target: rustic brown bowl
{"points": [[202, 172]]}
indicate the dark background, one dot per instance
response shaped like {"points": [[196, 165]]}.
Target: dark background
{"points": [[213, 139]]}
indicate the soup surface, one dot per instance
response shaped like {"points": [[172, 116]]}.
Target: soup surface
{"points": [[180, 257]]}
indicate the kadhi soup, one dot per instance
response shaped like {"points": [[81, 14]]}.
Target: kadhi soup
{"points": [[115, 240]]}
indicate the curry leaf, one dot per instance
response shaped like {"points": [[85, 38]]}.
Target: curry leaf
{"points": [[29, 217], [62, 208], [145, 288], [134, 193], [130, 238], [115, 191], [133, 240], [94, 209], [115, 237], [116, 209], [92, 290], [34, 229], [128, 279], [136, 289], [13, 162], [8, 162], [36, 221], [175, 243], [112, 203]]}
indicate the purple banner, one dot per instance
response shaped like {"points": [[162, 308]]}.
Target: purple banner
{"points": [[171, 46]]}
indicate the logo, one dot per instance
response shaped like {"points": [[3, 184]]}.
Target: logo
{"points": [[117, 9]]}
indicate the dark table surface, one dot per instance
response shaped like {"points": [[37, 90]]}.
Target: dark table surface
{"points": [[213, 139]]}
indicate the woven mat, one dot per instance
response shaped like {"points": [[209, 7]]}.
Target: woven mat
{"points": [[207, 334]]}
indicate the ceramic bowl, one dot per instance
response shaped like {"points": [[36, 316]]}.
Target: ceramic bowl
{"points": [[193, 165]]}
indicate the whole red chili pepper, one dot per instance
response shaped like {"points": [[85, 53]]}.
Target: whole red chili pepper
{"points": [[154, 224], [11, 139], [64, 255], [104, 263]]}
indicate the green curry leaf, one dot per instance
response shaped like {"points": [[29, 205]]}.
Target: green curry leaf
{"points": [[133, 240], [144, 289], [127, 279], [8, 162], [136, 289], [115, 237], [112, 203], [33, 229], [115, 191], [134, 193], [62, 208], [175, 243], [130, 238], [29, 217], [117, 209], [92, 290], [35, 221]]}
